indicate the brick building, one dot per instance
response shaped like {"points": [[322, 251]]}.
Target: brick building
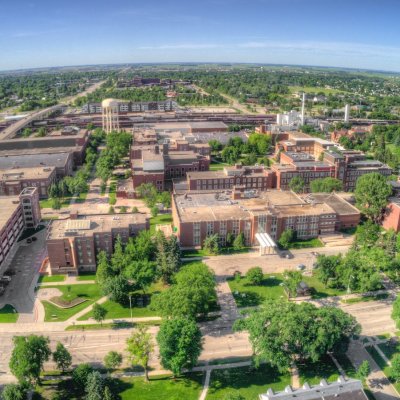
{"points": [[17, 213], [133, 107], [13, 181], [201, 214], [74, 243], [391, 219]]}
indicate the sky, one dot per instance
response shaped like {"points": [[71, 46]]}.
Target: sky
{"points": [[341, 33]]}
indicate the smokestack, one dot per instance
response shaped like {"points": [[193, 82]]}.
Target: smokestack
{"points": [[303, 103], [346, 113]]}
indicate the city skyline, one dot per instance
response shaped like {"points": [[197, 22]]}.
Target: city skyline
{"points": [[340, 34]]}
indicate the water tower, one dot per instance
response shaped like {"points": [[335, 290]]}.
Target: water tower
{"points": [[110, 115]]}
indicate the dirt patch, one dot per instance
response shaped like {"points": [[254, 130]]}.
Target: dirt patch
{"points": [[62, 303]]}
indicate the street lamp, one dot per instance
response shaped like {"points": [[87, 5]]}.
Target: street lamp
{"points": [[130, 305], [348, 285]]}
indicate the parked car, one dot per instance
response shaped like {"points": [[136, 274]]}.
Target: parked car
{"points": [[34, 238], [29, 240]]}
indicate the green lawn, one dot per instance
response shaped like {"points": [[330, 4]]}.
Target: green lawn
{"points": [[247, 381], [86, 276], [381, 296], [187, 387], [51, 279], [314, 372], [320, 290], [306, 243], [205, 253], [47, 203], [112, 325], [247, 295], [81, 197], [90, 292], [8, 314], [218, 166], [116, 310], [112, 194], [160, 219]]}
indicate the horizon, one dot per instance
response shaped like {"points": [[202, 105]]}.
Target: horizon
{"points": [[290, 32]]}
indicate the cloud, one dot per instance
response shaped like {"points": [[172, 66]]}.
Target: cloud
{"points": [[183, 46]]}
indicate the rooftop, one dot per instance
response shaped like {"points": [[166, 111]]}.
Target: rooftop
{"points": [[338, 204], [39, 159], [8, 206], [89, 224], [26, 173]]}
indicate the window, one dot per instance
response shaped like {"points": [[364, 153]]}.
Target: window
{"points": [[196, 234], [210, 228]]}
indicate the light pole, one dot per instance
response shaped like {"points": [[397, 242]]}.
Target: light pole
{"points": [[130, 305]]}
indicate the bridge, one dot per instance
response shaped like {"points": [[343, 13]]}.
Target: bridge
{"points": [[12, 130]]}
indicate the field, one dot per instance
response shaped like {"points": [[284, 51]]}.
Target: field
{"points": [[8, 314], [247, 381], [51, 279]]}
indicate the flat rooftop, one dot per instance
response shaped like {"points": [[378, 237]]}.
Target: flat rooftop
{"points": [[89, 224], [8, 206], [26, 173], [57, 160], [337, 203]]}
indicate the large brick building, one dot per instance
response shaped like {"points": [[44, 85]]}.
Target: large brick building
{"points": [[17, 213], [198, 215], [132, 107], [73, 243]]}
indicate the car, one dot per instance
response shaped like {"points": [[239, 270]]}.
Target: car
{"points": [[34, 238], [29, 240], [301, 267]]}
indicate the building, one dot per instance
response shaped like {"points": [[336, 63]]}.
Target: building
{"points": [[17, 213], [342, 389], [110, 111], [200, 214], [132, 107], [391, 219], [74, 243], [254, 177], [13, 181]]}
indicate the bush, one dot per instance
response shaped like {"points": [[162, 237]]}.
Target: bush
{"points": [[285, 238], [80, 376], [255, 275], [239, 242]]}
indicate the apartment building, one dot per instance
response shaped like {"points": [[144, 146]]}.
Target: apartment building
{"points": [[74, 243], [13, 181], [133, 107], [201, 214], [17, 213]]}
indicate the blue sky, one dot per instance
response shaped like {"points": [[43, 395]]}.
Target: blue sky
{"points": [[351, 33]]}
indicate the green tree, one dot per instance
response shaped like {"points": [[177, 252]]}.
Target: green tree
{"points": [[104, 270], [94, 386], [215, 145], [211, 244], [297, 184], [363, 371], [395, 368], [41, 132], [306, 333], [255, 276], [108, 395], [168, 256], [112, 360], [14, 391], [99, 313], [117, 288], [371, 193], [239, 243], [135, 210], [396, 311], [327, 267], [180, 344], [154, 211], [62, 357], [292, 280], [28, 356], [55, 204], [367, 234], [80, 376], [140, 347], [285, 239], [326, 185], [141, 274]]}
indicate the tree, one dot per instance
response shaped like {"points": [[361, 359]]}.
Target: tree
{"points": [[140, 347], [168, 256], [104, 270], [367, 234], [111, 210], [215, 145], [292, 281], [108, 395], [297, 184], [180, 344], [255, 276], [239, 243], [80, 376], [371, 193], [282, 332], [55, 204], [211, 244], [118, 258], [141, 274], [94, 386], [396, 311], [112, 360], [99, 313], [326, 185], [363, 371], [135, 210], [154, 211], [62, 357], [327, 267], [285, 238], [14, 391], [117, 288], [28, 356], [395, 368]]}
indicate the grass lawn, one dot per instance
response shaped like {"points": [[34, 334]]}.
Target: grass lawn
{"points": [[320, 290], [112, 194], [47, 203], [8, 314], [81, 197], [90, 292], [112, 325], [247, 381], [361, 299], [214, 166], [116, 310], [161, 219], [205, 253], [306, 243], [314, 372], [51, 279], [86, 276], [247, 295]]}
